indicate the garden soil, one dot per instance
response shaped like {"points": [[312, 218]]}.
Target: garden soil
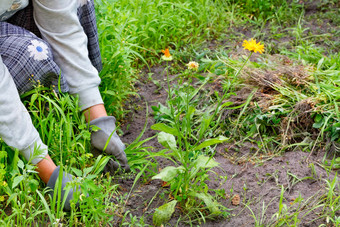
{"points": [[252, 187], [251, 183]]}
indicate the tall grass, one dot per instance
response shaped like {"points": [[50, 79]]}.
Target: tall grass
{"points": [[131, 34]]}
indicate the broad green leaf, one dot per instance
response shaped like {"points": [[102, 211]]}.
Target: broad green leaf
{"points": [[210, 142], [164, 110], [17, 180], [90, 185], [164, 128], [167, 140], [21, 164], [77, 172], [204, 162], [163, 213], [30, 167], [206, 119], [201, 163], [191, 112], [87, 170], [91, 176], [209, 201], [318, 124], [168, 173], [33, 98], [14, 197]]}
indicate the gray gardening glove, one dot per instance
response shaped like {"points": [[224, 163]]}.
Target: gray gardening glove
{"points": [[115, 146], [52, 184]]}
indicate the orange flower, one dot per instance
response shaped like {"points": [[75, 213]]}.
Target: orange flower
{"points": [[166, 52], [167, 56]]}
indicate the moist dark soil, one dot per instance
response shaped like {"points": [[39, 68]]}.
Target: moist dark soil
{"points": [[257, 183], [319, 25], [253, 185]]}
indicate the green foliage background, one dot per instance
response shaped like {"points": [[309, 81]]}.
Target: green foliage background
{"points": [[132, 34]]}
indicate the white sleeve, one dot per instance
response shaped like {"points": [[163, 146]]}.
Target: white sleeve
{"points": [[59, 25], [16, 128]]}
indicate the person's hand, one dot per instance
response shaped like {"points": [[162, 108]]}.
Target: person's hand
{"points": [[105, 139], [65, 178]]}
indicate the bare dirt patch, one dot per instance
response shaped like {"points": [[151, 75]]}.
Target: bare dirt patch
{"points": [[251, 187]]}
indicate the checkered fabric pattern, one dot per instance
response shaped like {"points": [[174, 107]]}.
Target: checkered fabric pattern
{"points": [[87, 18], [19, 36]]}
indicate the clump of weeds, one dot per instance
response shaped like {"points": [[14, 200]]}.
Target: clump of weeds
{"points": [[184, 136]]}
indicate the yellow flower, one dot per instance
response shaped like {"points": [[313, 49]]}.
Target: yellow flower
{"points": [[167, 56], [253, 46], [193, 65]]}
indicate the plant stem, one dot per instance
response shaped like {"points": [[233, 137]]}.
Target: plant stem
{"points": [[238, 72]]}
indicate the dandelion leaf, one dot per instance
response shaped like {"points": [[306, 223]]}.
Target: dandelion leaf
{"points": [[164, 128], [209, 201], [17, 180], [164, 213], [210, 142], [167, 140], [168, 173], [205, 162]]}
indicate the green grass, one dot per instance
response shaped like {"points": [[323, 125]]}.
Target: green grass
{"points": [[298, 109]]}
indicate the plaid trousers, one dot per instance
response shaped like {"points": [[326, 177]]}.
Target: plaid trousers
{"points": [[21, 48]]}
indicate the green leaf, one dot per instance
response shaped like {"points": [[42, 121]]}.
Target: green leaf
{"points": [[12, 197], [164, 213], [87, 170], [47, 207], [91, 176], [164, 128], [21, 164], [209, 201], [318, 124], [77, 172], [167, 140], [205, 123], [226, 104], [90, 185], [3, 154], [168, 173], [201, 163], [100, 163], [33, 98], [33, 183], [204, 162], [17, 180], [210, 142], [318, 118], [320, 63], [164, 110]]}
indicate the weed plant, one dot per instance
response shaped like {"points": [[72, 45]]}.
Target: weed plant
{"points": [[131, 35], [187, 178], [134, 32], [24, 200], [184, 137]]}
